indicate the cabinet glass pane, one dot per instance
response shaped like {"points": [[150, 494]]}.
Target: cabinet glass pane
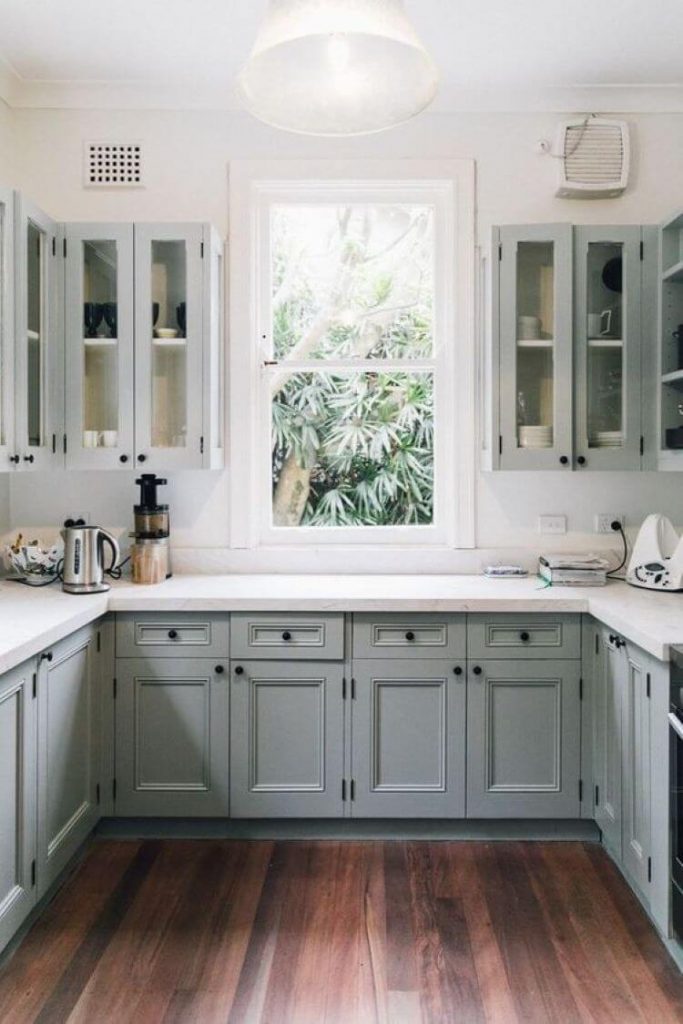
{"points": [[100, 345], [35, 340], [605, 349], [535, 319], [169, 344]]}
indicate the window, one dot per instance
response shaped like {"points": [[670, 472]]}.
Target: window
{"points": [[355, 362]]}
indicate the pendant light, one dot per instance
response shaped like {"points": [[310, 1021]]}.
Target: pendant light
{"points": [[337, 67]]}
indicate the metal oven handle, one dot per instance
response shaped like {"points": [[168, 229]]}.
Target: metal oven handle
{"points": [[676, 725]]}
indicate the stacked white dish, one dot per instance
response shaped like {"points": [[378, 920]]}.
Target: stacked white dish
{"points": [[606, 439], [536, 436]]}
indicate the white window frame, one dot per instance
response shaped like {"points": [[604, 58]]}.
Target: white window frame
{"points": [[449, 187]]}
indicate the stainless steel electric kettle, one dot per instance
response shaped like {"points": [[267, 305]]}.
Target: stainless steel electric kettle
{"points": [[83, 571]]}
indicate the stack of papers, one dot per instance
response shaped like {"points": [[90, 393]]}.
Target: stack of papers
{"points": [[574, 570]]}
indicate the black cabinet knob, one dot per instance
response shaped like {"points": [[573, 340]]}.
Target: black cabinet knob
{"points": [[29, 458], [46, 656], [524, 636], [477, 670], [410, 635], [581, 460], [457, 671], [123, 458], [14, 459], [173, 634], [220, 670], [564, 459], [286, 635], [239, 671], [142, 458]]}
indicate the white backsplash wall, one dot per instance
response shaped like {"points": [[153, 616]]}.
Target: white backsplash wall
{"points": [[186, 159]]}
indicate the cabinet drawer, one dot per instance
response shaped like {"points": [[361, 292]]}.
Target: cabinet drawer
{"points": [[162, 634], [406, 636], [273, 635], [524, 636]]}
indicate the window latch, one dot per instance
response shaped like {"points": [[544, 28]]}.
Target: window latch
{"points": [[271, 362]]}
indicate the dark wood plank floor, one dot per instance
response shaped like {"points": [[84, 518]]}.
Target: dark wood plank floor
{"points": [[353, 932]]}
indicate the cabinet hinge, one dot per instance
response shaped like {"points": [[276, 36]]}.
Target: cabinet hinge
{"points": [[97, 792], [99, 641], [64, 444], [54, 444], [642, 445], [35, 684], [115, 688], [580, 791], [649, 869], [343, 789], [201, 445], [64, 247], [344, 688], [580, 689], [33, 873], [500, 251], [500, 444], [597, 644], [353, 694], [113, 789], [353, 789], [648, 684], [597, 796], [201, 250], [642, 250]]}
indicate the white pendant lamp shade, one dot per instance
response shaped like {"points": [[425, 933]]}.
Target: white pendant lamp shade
{"points": [[337, 67]]}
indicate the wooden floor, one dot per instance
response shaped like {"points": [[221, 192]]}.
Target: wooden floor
{"points": [[311, 932]]}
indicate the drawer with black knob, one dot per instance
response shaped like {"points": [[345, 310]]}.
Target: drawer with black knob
{"points": [[536, 635], [287, 635], [412, 635], [165, 634]]}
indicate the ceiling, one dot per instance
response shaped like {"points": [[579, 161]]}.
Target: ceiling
{"points": [[492, 54]]}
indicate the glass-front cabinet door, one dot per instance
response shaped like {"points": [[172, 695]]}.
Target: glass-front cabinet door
{"points": [[6, 327], [535, 339], [39, 392], [99, 346], [607, 328], [169, 270]]}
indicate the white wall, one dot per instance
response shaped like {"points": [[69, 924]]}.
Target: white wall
{"points": [[186, 159]]}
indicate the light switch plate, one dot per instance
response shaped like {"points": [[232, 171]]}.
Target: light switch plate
{"points": [[552, 524]]}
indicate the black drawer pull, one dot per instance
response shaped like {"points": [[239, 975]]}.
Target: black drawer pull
{"points": [[477, 670], [581, 460], [524, 636], [173, 634], [410, 635], [239, 671], [123, 458], [457, 671], [219, 670], [564, 460], [286, 635]]}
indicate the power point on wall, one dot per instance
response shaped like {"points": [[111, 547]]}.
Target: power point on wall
{"points": [[605, 522], [552, 524]]}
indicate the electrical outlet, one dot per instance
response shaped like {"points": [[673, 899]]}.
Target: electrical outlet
{"points": [[552, 524], [604, 520]]}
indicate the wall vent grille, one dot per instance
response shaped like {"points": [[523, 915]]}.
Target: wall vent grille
{"points": [[594, 158], [112, 165]]}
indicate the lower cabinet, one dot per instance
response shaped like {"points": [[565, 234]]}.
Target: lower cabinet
{"points": [[17, 799], [68, 751], [287, 739], [408, 739], [523, 739], [622, 753], [172, 719]]}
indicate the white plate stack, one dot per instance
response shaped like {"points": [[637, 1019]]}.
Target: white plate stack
{"points": [[536, 437], [606, 439]]}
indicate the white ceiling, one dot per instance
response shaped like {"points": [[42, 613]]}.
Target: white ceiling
{"points": [[492, 54]]}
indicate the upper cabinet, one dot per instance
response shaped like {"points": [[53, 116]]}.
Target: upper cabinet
{"points": [[571, 316], [6, 325], [38, 329], [144, 346]]}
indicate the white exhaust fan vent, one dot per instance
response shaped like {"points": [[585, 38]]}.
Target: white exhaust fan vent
{"points": [[594, 157], [112, 165]]}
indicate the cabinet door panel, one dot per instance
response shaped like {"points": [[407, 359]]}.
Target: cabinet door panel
{"points": [[17, 799], [7, 278], [535, 343], [523, 740], [68, 744], [637, 804], [607, 741], [171, 738], [408, 739], [99, 346], [287, 740]]}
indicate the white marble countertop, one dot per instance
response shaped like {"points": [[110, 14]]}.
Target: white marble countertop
{"points": [[31, 620]]}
